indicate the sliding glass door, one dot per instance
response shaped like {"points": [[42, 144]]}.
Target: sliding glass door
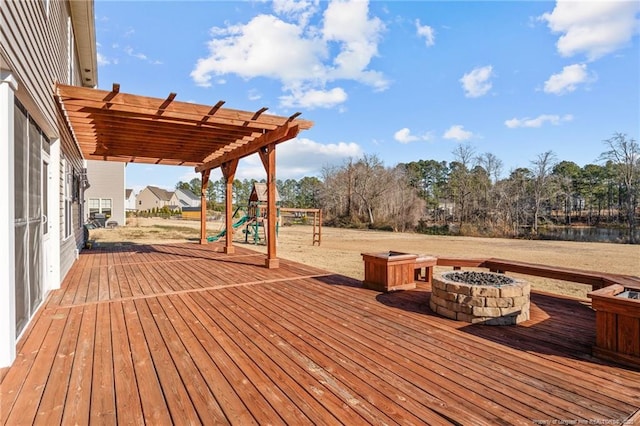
{"points": [[29, 215]]}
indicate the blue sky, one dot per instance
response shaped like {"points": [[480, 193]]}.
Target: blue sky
{"points": [[405, 80]]}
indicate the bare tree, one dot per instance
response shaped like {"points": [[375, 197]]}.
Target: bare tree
{"points": [[492, 164], [333, 192], [625, 154], [542, 184], [465, 155], [461, 179], [403, 207], [371, 182]]}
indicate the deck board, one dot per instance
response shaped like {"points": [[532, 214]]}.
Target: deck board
{"points": [[417, 366], [467, 356], [343, 361], [81, 376], [102, 404], [183, 333]]}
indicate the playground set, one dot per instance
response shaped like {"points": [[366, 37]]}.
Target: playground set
{"points": [[254, 220]]}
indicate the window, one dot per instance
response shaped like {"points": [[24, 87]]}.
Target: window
{"points": [[94, 207], [105, 207], [100, 206], [66, 196]]}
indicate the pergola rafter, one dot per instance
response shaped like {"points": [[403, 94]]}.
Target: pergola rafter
{"points": [[117, 126]]}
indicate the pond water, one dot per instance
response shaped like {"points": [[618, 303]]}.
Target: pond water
{"points": [[590, 234]]}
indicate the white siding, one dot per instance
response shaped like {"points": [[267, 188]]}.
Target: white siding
{"points": [[107, 182]]}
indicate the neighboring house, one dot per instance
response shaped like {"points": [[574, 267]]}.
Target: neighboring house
{"points": [[152, 197], [42, 175], [186, 198], [106, 193], [129, 200]]}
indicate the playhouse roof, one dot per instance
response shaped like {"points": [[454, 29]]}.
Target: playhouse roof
{"points": [[259, 193]]}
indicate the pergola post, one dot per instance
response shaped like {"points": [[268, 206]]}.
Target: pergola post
{"points": [[268, 157], [229, 173], [203, 206]]}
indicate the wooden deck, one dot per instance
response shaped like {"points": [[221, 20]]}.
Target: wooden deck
{"points": [[184, 334]]}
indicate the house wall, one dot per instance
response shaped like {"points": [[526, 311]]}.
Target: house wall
{"points": [[71, 165], [107, 180], [175, 201], [130, 203], [147, 200], [38, 48], [190, 201]]}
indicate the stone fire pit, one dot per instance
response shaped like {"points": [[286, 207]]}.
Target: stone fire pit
{"points": [[480, 297]]}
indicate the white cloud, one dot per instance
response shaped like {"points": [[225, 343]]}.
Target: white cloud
{"points": [[190, 174], [314, 98], [308, 63], [300, 10], [347, 23], [256, 50], [538, 121], [427, 32], [595, 28], [102, 60], [568, 80], [254, 95], [129, 51], [458, 133], [477, 82], [404, 136], [300, 157], [138, 55]]}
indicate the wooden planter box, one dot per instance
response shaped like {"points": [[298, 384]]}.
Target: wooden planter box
{"points": [[389, 271], [617, 325]]}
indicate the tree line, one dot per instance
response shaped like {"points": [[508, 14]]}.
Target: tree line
{"points": [[466, 196]]}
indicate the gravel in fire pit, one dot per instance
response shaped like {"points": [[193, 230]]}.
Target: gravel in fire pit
{"points": [[479, 278]]}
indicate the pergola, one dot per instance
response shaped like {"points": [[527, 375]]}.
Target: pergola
{"points": [[115, 126]]}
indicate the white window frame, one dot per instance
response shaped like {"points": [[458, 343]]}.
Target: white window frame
{"points": [[101, 208]]}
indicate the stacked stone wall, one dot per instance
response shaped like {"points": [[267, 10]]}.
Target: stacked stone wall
{"points": [[491, 305]]}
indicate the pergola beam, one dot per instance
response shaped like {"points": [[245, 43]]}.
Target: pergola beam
{"points": [[212, 112], [258, 113], [87, 97], [279, 135], [166, 103]]}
